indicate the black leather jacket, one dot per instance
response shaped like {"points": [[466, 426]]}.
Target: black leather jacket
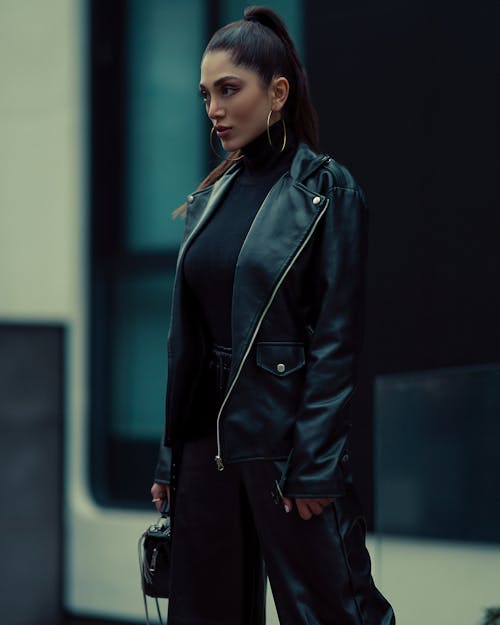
{"points": [[297, 320]]}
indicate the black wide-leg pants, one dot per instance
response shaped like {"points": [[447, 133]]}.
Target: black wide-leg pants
{"points": [[226, 526]]}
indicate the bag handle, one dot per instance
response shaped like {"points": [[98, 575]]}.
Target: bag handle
{"points": [[165, 507]]}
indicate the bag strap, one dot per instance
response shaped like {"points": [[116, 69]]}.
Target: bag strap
{"points": [[165, 507], [146, 611]]}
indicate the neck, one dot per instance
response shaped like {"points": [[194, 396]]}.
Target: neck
{"points": [[260, 156]]}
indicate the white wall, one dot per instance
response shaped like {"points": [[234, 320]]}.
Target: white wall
{"points": [[43, 261], [40, 159], [43, 265]]}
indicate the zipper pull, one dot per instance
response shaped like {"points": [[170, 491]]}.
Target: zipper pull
{"points": [[219, 463]]}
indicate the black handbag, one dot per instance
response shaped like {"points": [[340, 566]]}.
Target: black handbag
{"points": [[154, 561]]}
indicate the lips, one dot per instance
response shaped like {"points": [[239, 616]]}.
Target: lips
{"points": [[222, 131]]}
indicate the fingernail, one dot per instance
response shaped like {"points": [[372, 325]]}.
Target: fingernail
{"points": [[287, 508]]}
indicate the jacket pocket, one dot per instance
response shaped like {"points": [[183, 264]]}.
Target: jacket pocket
{"points": [[280, 358]]}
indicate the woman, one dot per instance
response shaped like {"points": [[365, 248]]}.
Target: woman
{"points": [[263, 344]]}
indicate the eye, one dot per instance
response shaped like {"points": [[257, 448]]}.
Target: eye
{"points": [[228, 90], [204, 96]]}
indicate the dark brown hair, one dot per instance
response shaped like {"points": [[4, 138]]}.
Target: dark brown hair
{"points": [[260, 42]]}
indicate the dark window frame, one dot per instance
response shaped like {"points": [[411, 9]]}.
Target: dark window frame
{"points": [[109, 258]]}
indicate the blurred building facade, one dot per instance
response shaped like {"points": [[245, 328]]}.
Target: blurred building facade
{"points": [[103, 135]]}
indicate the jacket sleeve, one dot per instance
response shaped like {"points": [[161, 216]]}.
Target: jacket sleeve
{"points": [[162, 474], [163, 470], [322, 420]]}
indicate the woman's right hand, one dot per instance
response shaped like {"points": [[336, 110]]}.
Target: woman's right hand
{"points": [[160, 492]]}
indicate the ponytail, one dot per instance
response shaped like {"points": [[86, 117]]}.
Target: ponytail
{"points": [[300, 113]]}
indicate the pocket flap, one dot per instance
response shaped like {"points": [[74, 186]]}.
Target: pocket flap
{"points": [[280, 358]]}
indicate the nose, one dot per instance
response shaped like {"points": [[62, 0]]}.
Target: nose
{"points": [[214, 111]]}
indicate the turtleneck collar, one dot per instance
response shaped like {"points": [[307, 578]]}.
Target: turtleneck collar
{"points": [[260, 157]]}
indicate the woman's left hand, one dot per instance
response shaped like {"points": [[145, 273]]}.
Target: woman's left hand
{"points": [[307, 507]]}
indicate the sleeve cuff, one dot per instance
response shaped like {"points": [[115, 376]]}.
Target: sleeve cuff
{"points": [[163, 471], [309, 487]]}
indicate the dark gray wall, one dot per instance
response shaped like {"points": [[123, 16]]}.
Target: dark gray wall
{"points": [[31, 409], [408, 98]]}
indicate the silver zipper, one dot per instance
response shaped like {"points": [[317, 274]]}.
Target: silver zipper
{"points": [[218, 458]]}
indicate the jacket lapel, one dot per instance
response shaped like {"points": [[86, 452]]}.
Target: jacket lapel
{"points": [[201, 210], [201, 206], [279, 229]]}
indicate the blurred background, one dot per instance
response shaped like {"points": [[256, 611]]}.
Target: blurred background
{"points": [[102, 135]]}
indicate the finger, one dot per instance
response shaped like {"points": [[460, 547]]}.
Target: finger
{"points": [[157, 490], [287, 504], [158, 502], [158, 493], [315, 507], [160, 499], [303, 509]]}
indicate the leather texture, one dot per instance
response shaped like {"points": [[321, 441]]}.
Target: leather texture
{"points": [[226, 525], [297, 317]]}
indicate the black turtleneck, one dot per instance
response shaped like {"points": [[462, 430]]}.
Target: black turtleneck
{"points": [[210, 261]]}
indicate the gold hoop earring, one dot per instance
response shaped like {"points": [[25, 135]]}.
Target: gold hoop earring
{"points": [[269, 134], [225, 158]]}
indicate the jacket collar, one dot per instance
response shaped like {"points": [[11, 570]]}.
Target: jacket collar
{"points": [[305, 163]]}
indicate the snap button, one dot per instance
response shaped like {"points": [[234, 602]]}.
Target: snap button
{"points": [[280, 367], [316, 200], [345, 458], [190, 199]]}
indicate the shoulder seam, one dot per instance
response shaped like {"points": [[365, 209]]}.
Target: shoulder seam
{"points": [[355, 189], [342, 177]]}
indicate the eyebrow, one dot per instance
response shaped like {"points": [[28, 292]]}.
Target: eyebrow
{"points": [[219, 81]]}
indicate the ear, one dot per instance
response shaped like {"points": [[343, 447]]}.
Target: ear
{"points": [[280, 88]]}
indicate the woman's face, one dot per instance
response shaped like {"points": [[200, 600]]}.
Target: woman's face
{"points": [[236, 102]]}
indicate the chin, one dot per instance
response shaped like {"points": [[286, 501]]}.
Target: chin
{"points": [[231, 146]]}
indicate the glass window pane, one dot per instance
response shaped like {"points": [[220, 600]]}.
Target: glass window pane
{"points": [[166, 132], [139, 354]]}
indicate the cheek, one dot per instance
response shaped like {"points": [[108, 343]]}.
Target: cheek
{"points": [[261, 104], [252, 108], [257, 111]]}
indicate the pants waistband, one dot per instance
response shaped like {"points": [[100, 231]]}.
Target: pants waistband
{"points": [[219, 362], [221, 353]]}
